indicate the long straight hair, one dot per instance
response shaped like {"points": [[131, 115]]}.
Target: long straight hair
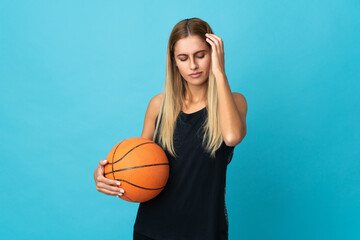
{"points": [[175, 90]]}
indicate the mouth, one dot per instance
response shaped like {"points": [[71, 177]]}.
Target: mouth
{"points": [[195, 75]]}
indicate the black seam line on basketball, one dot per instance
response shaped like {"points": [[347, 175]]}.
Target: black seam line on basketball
{"points": [[150, 165], [128, 198], [123, 180], [112, 160], [131, 150]]}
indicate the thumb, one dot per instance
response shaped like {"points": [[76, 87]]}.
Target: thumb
{"points": [[102, 163], [101, 170]]}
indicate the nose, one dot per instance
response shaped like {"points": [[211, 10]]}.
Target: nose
{"points": [[193, 64]]}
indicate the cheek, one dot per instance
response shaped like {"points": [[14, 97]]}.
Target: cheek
{"points": [[206, 63], [181, 66]]}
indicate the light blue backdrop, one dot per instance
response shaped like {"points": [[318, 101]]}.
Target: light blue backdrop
{"points": [[76, 78]]}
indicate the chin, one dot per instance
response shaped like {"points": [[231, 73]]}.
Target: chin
{"points": [[197, 81]]}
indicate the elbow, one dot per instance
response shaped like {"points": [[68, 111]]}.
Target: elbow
{"points": [[234, 139]]}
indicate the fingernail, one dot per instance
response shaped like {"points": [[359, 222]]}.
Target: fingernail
{"points": [[105, 161], [121, 190], [118, 183]]}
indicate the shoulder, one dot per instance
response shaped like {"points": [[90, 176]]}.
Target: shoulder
{"points": [[155, 103], [157, 98], [238, 96], [150, 116], [240, 101]]}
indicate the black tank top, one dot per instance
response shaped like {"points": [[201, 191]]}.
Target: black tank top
{"points": [[192, 204]]}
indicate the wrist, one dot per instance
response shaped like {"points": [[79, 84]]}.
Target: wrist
{"points": [[220, 76]]}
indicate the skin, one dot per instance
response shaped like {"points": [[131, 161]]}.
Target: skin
{"points": [[188, 59], [192, 54], [232, 106], [105, 185]]}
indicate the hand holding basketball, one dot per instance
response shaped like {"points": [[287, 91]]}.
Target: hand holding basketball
{"points": [[142, 167], [105, 185]]}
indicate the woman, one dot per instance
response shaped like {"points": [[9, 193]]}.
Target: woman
{"points": [[198, 121]]}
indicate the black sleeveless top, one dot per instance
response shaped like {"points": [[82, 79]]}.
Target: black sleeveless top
{"points": [[192, 204]]}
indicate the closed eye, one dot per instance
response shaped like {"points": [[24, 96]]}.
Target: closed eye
{"points": [[183, 60]]}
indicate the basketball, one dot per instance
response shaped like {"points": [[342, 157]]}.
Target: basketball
{"points": [[141, 166]]}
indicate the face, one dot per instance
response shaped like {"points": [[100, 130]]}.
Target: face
{"points": [[192, 54]]}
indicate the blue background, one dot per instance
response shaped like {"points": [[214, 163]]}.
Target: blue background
{"points": [[76, 78]]}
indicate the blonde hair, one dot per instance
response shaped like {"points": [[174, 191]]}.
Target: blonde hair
{"points": [[175, 90]]}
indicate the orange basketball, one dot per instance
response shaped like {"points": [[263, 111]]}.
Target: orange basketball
{"points": [[141, 166]]}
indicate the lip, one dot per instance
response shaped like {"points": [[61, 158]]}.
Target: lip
{"points": [[195, 75]]}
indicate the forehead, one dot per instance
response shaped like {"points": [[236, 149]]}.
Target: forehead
{"points": [[189, 45]]}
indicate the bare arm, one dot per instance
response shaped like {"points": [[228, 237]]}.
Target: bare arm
{"points": [[111, 187], [232, 112], [150, 117]]}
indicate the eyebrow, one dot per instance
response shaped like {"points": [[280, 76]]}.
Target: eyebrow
{"points": [[182, 54]]}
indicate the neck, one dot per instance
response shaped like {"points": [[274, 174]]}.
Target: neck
{"points": [[196, 94]]}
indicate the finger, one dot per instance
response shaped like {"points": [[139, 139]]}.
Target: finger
{"points": [[217, 44], [214, 36], [107, 192], [109, 187], [101, 167], [214, 43], [214, 39], [219, 39], [210, 42], [102, 179], [100, 172], [102, 162]]}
